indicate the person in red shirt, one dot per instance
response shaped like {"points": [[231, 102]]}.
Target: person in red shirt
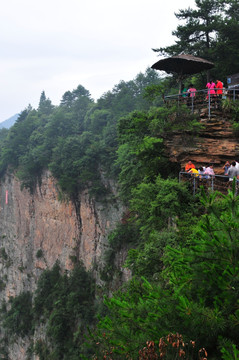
{"points": [[219, 89]]}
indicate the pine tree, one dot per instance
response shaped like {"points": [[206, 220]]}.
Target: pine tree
{"points": [[199, 33]]}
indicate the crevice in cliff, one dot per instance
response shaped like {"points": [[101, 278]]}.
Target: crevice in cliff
{"points": [[77, 204]]}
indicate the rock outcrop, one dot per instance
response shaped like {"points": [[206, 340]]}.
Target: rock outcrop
{"points": [[215, 143]]}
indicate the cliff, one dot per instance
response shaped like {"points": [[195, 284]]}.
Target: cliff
{"points": [[38, 229]]}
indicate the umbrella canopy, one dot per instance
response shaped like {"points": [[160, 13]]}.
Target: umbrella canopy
{"points": [[183, 64]]}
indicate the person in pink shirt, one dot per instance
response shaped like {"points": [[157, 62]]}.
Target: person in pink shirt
{"points": [[209, 172], [211, 88], [191, 90]]}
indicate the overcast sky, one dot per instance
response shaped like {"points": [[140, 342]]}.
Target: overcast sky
{"points": [[55, 45]]}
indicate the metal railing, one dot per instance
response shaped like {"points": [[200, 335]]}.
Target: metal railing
{"points": [[204, 99], [213, 182]]}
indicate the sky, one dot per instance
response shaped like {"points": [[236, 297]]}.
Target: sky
{"points": [[56, 45]]}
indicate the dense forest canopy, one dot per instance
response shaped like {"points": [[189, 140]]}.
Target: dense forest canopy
{"points": [[73, 138], [183, 251]]}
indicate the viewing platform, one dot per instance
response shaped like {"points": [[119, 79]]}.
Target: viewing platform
{"points": [[202, 102], [212, 183]]}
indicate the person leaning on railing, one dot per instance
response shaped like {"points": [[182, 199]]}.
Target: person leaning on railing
{"points": [[201, 172], [209, 172], [194, 172]]}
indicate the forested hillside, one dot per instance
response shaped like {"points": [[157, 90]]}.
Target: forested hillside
{"points": [[182, 299], [74, 138], [183, 250]]}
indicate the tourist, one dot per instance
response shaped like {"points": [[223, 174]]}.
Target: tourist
{"points": [[184, 92], [219, 87], [189, 166], [211, 89], [226, 167], [201, 172], [209, 172], [191, 91], [194, 172], [233, 171]]}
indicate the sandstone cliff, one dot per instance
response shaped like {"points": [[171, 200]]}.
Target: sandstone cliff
{"points": [[215, 143], [38, 229]]}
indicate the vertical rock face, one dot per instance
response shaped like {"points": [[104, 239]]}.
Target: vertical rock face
{"points": [[37, 229]]}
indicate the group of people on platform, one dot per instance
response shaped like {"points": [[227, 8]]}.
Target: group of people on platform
{"points": [[215, 90], [203, 172], [230, 170]]}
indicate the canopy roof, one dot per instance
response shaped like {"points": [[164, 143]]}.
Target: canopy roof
{"points": [[183, 64]]}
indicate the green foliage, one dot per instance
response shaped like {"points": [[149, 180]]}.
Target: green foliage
{"points": [[77, 140], [159, 203], [134, 315], [45, 106], [227, 45], [231, 109], [44, 295], [125, 235], [19, 319], [139, 153], [42, 350], [196, 294], [3, 135], [146, 259], [39, 253], [66, 304], [230, 352]]}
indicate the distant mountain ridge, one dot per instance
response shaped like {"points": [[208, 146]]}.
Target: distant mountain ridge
{"points": [[9, 122]]}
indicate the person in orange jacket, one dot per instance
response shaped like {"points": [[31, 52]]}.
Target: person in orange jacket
{"points": [[189, 166]]}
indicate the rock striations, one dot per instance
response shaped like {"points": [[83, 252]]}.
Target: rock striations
{"points": [[215, 142], [36, 230]]}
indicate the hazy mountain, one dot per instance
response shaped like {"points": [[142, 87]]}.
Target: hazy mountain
{"points": [[9, 122]]}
